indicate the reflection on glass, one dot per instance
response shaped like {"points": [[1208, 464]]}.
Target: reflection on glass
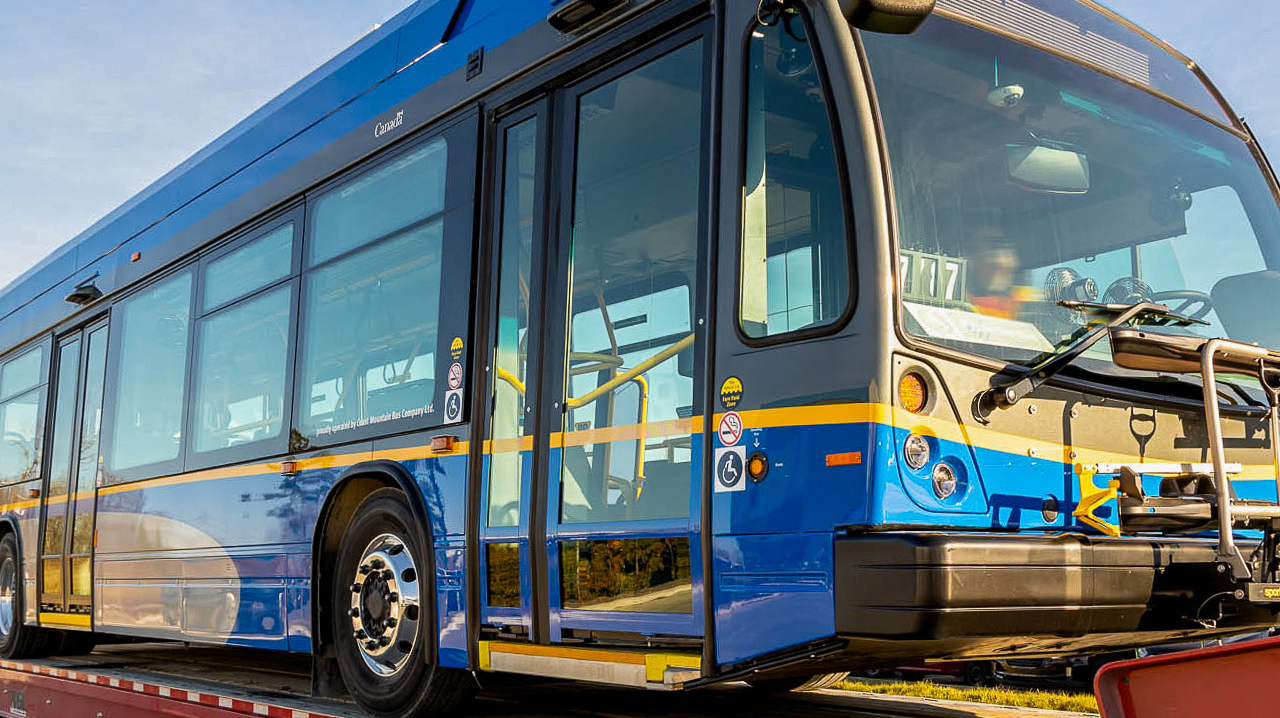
{"points": [[641, 575], [1175, 209], [91, 411], [20, 447], [254, 265], [21, 373], [794, 252], [64, 419], [503, 560], [240, 375], [151, 380], [403, 191], [507, 425], [52, 574], [630, 391], [368, 344]]}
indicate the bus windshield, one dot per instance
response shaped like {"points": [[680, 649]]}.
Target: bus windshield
{"points": [[1022, 179]]}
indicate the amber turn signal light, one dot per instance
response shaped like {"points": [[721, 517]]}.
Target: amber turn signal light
{"points": [[442, 444], [913, 393]]}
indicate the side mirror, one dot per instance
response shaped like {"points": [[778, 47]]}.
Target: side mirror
{"points": [[897, 17], [1052, 170]]}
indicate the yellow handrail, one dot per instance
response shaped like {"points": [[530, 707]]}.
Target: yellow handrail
{"points": [[628, 375], [511, 379]]}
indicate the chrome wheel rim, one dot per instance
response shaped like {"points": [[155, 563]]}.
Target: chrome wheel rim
{"points": [[8, 592], [385, 607]]}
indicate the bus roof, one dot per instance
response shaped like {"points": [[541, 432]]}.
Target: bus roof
{"points": [[433, 36]]}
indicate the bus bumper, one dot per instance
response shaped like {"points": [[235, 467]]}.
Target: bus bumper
{"points": [[942, 585]]}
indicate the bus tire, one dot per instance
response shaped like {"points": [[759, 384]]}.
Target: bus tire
{"points": [[380, 615], [797, 683], [17, 640]]}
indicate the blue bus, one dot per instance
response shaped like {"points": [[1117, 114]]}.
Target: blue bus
{"points": [[664, 343]]}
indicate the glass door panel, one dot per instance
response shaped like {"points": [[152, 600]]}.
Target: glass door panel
{"points": [[513, 390], [83, 494], [624, 527], [58, 474], [66, 546]]}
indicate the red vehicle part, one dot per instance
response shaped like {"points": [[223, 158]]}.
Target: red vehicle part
{"points": [[1207, 683], [38, 691]]}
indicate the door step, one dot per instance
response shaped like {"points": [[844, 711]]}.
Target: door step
{"points": [[644, 669]]}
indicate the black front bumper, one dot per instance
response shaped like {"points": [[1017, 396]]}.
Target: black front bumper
{"points": [[955, 586]]}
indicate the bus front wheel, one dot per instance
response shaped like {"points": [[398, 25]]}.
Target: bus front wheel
{"points": [[380, 620]]}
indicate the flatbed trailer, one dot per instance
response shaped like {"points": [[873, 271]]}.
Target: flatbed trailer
{"points": [[153, 680]]}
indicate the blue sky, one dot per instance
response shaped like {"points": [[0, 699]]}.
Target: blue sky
{"points": [[99, 99]]}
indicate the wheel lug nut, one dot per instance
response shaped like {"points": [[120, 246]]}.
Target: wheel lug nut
{"points": [[388, 574], [391, 622], [371, 645], [355, 587], [384, 641], [393, 597], [364, 568], [360, 634], [377, 563], [354, 613]]}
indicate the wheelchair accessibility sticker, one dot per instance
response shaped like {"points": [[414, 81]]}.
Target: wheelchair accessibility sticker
{"points": [[731, 469]]}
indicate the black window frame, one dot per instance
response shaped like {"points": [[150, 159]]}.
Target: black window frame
{"points": [[194, 460], [461, 134], [843, 178], [45, 342], [111, 393], [243, 238]]}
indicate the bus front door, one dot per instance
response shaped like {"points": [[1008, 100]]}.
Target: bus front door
{"points": [[69, 495], [593, 464]]}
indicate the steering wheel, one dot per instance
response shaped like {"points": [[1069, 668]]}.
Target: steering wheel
{"points": [[1201, 301]]}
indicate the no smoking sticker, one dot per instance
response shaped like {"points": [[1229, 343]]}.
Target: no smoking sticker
{"points": [[730, 430], [455, 375], [731, 469]]}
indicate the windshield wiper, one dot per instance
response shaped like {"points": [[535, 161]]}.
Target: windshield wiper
{"points": [[1014, 389]]}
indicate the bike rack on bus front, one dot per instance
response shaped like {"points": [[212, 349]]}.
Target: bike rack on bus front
{"points": [[1134, 348]]}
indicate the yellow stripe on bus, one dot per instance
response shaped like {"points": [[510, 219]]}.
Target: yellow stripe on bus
{"points": [[819, 415], [75, 620]]}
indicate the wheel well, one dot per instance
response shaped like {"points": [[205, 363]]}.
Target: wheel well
{"points": [[334, 519]]}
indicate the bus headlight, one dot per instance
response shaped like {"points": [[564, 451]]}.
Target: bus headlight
{"points": [[944, 480], [915, 450]]}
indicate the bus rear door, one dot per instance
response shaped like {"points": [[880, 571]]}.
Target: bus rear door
{"points": [[70, 484]]}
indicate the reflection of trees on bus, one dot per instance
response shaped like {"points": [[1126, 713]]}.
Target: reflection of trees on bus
{"points": [[626, 574]]}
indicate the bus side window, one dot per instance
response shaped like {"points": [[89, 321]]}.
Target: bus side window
{"points": [[153, 331], [795, 257], [22, 396], [371, 298]]}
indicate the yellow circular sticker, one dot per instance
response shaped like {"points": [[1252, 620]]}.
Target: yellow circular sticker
{"points": [[731, 392]]}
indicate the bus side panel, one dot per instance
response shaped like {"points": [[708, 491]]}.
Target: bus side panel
{"points": [[210, 559], [772, 591], [23, 512], [443, 482], [774, 538]]}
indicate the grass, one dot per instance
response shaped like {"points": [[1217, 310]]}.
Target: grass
{"points": [[1049, 700]]}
